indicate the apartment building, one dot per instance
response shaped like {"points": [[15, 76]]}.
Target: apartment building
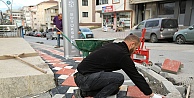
{"points": [[28, 15], [16, 16], [115, 13], [183, 10], [50, 13], [87, 13], [39, 20]]}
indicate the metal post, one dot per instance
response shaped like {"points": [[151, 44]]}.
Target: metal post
{"points": [[11, 12], [70, 15]]}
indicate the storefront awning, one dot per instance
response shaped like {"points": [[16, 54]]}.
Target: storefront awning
{"points": [[142, 1]]}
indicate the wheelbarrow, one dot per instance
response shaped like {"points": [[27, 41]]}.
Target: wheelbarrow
{"points": [[89, 45]]}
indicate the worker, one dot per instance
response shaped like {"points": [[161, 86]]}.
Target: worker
{"points": [[57, 21], [95, 76]]}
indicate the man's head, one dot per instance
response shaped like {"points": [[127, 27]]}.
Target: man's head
{"points": [[133, 42], [60, 16]]}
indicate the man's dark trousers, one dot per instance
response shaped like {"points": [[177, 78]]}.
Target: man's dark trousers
{"points": [[100, 84]]}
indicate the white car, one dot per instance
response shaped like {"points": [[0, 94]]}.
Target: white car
{"points": [[51, 34]]}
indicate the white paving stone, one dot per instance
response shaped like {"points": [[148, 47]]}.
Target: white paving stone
{"points": [[63, 77], [68, 67], [59, 96], [57, 68], [70, 90]]}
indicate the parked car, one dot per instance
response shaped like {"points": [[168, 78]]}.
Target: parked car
{"points": [[38, 34], [85, 33], [157, 28], [185, 35], [52, 34], [44, 34]]}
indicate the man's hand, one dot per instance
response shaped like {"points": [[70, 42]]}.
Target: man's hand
{"points": [[58, 32]]}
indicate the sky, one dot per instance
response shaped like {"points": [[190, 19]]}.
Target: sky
{"points": [[18, 3]]}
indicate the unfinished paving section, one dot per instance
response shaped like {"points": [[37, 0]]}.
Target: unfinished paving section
{"points": [[18, 77]]}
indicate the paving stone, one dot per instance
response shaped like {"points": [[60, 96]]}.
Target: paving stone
{"points": [[68, 95], [181, 89], [171, 66], [65, 71], [62, 89], [122, 94], [59, 96], [134, 92], [156, 68], [164, 74], [60, 81], [69, 81], [60, 65]]}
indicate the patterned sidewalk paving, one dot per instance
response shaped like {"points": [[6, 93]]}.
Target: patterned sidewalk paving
{"points": [[64, 69]]}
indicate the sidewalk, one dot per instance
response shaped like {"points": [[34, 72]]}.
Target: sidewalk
{"points": [[64, 69]]}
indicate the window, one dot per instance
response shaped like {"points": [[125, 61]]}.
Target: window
{"points": [[115, 1], [84, 14], [84, 2], [103, 2], [166, 8], [140, 25], [153, 23], [169, 23], [182, 7]]}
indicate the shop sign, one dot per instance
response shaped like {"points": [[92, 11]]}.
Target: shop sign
{"points": [[143, 1], [106, 9]]}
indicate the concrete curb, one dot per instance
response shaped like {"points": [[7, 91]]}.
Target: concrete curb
{"points": [[167, 86]]}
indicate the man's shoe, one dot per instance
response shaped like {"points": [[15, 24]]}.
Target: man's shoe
{"points": [[56, 47]]}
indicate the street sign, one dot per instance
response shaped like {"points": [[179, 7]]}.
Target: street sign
{"points": [[8, 2]]}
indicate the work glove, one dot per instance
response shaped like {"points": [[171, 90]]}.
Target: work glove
{"points": [[156, 96]]}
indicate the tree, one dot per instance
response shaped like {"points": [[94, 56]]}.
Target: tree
{"points": [[41, 30]]}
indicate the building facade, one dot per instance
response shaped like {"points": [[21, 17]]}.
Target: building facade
{"points": [[183, 10], [115, 13], [39, 21], [87, 13], [28, 15], [50, 13]]}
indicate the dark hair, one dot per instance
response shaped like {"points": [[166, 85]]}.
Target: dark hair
{"points": [[132, 38], [59, 14]]}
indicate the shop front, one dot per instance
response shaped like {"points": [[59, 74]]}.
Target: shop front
{"points": [[115, 19]]}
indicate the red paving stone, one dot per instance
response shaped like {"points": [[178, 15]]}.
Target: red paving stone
{"points": [[134, 92], [65, 71], [78, 58], [60, 65], [69, 82], [171, 66]]}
